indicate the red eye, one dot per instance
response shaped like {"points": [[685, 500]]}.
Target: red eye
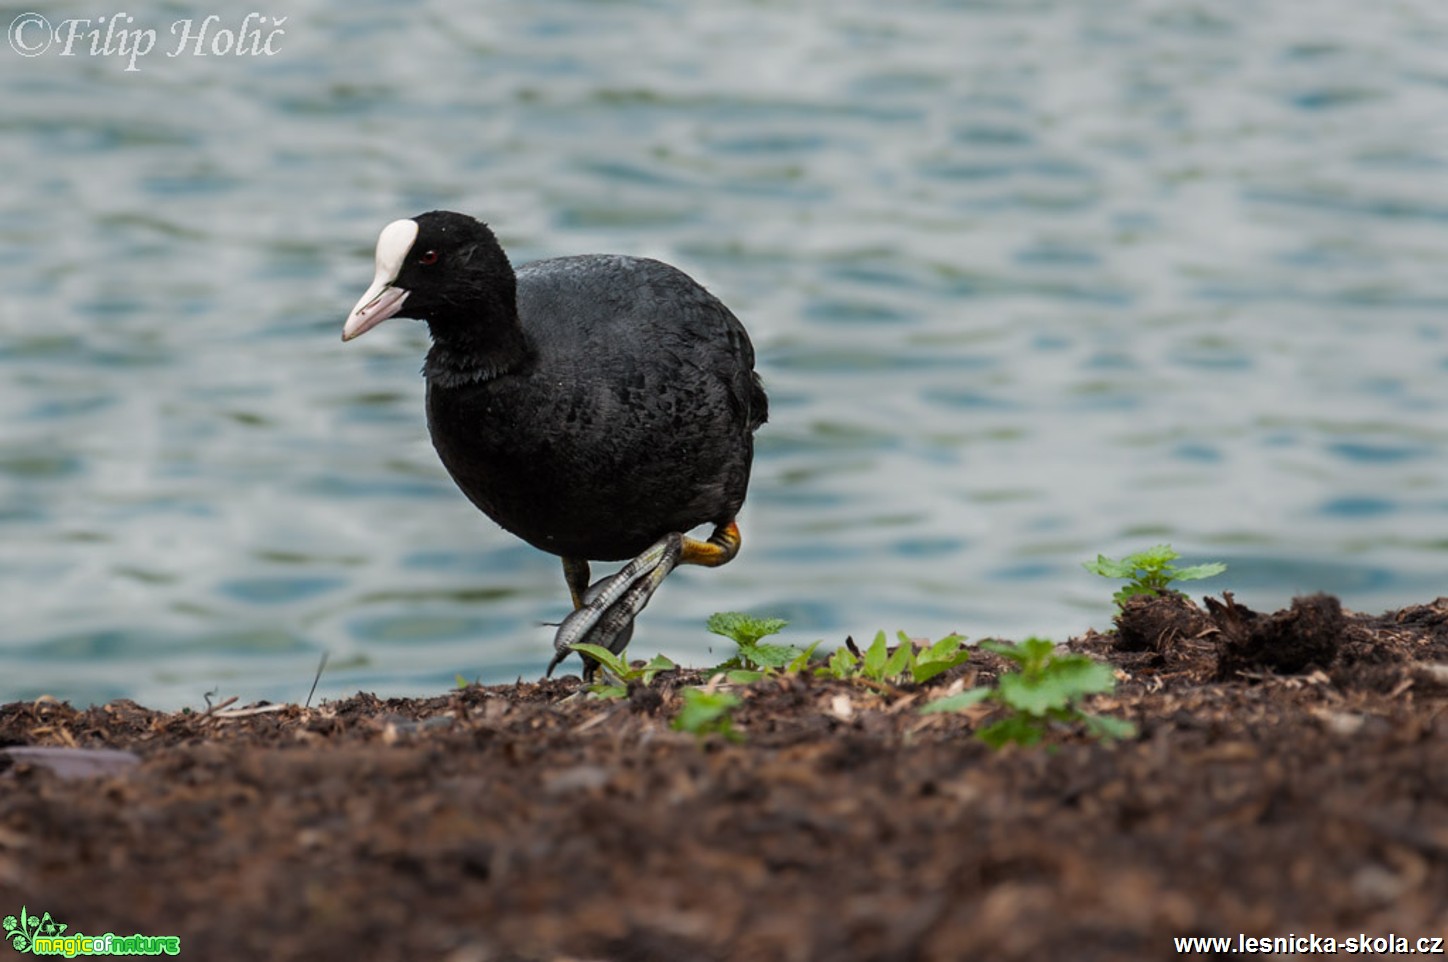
{"points": [[428, 258]]}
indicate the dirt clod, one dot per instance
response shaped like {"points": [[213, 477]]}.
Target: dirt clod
{"points": [[1159, 622], [1287, 642]]}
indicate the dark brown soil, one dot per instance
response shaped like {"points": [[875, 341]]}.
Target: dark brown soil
{"points": [[1290, 777]]}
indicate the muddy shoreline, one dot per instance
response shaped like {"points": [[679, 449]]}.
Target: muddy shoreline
{"points": [[1289, 776]]}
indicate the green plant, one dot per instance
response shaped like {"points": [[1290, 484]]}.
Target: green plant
{"points": [[707, 713], [906, 663], [1045, 687], [753, 660], [1149, 572], [618, 672], [746, 631]]}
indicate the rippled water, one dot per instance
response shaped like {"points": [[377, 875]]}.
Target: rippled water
{"points": [[1029, 281]]}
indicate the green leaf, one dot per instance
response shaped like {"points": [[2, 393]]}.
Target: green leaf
{"points": [[1081, 675], [767, 656], [1104, 726], [842, 664], [656, 665], [1109, 567], [610, 692], [705, 713], [874, 663], [1153, 582], [802, 660], [460, 681], [944, 648], [1029, 654], [743, 629], [743, 676], [1000, 648], [928, 670], [1060, 683], [606, 659], [940, 657], [706, 705], [1038, 652], [1198, 572], [729, 624], [1030, 696], [901, 661], [960, 702], [1154, 558], [1017, 729]]}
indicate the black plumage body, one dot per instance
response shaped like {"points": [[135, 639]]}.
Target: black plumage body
{"points": [[625, 411]]}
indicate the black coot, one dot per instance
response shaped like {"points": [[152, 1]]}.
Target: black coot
{"points": [[598, 407]]}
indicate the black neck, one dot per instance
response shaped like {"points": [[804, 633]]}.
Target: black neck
{"points": [[482, 341], [483, 354]]}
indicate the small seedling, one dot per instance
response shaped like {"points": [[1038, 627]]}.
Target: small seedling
{"points": [[1149, 572], [754, 660], [1046, 687], [618, 672], [708, 713], [877, 663], [803, 659]]}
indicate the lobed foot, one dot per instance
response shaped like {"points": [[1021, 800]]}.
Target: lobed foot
{"points": [[610, 605]]}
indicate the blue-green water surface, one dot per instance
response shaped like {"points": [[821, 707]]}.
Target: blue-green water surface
{"points": [[1028, 280]]}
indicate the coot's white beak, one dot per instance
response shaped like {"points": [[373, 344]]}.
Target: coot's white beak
{"points": [[379, 303], [383, 299]]}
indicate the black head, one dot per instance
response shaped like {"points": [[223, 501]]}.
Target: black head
{"points": [[441, 267]]}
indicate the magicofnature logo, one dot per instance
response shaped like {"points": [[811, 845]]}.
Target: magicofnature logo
{"points": [[21, 932], [43, 935]]}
